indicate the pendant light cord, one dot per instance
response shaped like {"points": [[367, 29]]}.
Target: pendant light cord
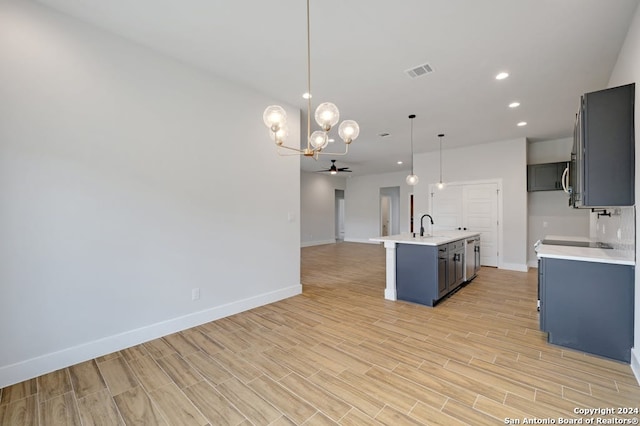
{"points": [[440, 159], [411, 143], [440, 136], [411, 117], [308, 78]]}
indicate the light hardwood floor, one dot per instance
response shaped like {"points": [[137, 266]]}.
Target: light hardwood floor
{"points": [[340, 354]]}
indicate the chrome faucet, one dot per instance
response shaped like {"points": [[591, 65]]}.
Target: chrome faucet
{"points": [[422, 226]]}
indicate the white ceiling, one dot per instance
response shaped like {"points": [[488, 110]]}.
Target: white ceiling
{"points": [[554, 50]]}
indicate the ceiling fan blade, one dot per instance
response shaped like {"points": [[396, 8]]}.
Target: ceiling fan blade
{"points": [[333, 169]]}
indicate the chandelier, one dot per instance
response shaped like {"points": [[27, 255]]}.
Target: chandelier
{"points": [[326, 115]]}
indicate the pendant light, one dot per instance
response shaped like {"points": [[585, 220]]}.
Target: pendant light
{"points": [[440, 183], [412, 179]]}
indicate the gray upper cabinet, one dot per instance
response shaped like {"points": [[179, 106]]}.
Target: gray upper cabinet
{"points": [[545, 177], [603, 158]]}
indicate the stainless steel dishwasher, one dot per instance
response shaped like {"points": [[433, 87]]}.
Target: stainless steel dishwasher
{"points": [[471, 258]]}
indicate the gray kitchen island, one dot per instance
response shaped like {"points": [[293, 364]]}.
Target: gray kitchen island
{"points": [[427, 269]]}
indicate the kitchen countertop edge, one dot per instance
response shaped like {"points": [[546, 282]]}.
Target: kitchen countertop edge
{"points": [[443, 237], [584, 254]]}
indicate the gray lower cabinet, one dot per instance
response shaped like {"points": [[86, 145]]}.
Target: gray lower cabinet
{"points": [[588, 306], [456, 264], [443, 265], [426, 274]]}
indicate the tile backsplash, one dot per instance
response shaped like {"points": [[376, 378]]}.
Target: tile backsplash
{"points": [[618, 230]]}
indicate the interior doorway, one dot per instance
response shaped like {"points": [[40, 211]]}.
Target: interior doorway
{"points": [[385, 215], [389, 211], [339, 214]]}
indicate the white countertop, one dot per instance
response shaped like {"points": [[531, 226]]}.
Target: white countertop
{"points": [[585, 254], [438, 237]]}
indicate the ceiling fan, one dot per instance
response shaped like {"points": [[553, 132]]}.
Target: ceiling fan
{"points": [[334, 170]]}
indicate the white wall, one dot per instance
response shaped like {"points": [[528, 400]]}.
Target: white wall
{"points": [[506, 160], [627, 70], [617, 229], [317, 208], [362, 205], [126, 180], [548, 211]]}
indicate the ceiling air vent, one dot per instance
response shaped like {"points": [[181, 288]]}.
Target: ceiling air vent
{"points": [[418, 71]]}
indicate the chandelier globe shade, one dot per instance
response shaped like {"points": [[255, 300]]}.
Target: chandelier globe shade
{"points": [[319, 139], [274, 117]]}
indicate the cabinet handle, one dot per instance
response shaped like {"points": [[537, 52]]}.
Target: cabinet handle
{"points": [[565, 177]]}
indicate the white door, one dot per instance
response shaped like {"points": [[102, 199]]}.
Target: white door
{"points": [[480, 214], [385, 215], [472, 207], [446, 207], [340, 219]]}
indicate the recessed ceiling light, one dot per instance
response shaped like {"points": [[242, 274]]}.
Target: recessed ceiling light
{"points": [[514, 104], [399, 162], [306, 96], [522, 123], [502, 75]]}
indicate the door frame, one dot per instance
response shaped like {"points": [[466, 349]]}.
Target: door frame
{"points": [[338, 195], [393, 192], [433, 188], [389, 212]]}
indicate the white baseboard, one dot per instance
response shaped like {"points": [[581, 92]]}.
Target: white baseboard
{"points": [[635, 363], [390, 294], [34, 367], [317, 243], [361, 240], [533, 264], [514, 267]]}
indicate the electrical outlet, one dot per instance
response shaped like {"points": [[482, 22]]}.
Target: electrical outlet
{"points": [[195, 294], [619, 233], [545, 224]]}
